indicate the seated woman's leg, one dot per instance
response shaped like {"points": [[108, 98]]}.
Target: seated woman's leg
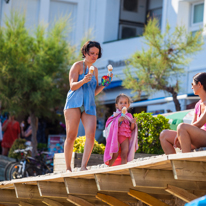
{"points": [[89, 123], [72, 118], [167, 141], [190, 135]]}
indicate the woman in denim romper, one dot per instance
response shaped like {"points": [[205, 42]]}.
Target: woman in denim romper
{"points": [[80, 102]]}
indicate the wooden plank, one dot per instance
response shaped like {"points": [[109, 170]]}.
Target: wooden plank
{"points": [[124, 197], [52, 189], [151, 179], [27, 191], [181, 193], [51, 202], [189, 156], [24, 204], [115, 183], [188, 170], [89, 174], [80, 186], [78, 201], [110, 200], [152, 191], [48, 177], [8, 196], [147, 199]]}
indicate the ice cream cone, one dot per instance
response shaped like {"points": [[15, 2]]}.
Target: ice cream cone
{"points": [[110, 68], [91, 70], [124, 110]]}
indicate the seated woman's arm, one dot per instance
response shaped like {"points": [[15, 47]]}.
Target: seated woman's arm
{"points": [[201, 121]]}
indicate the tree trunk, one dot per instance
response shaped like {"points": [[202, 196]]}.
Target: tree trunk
{"points": [[174, 96], [34, 131], [176, 101]]}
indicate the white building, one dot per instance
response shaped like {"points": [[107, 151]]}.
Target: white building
{"points": [[118, 25]]}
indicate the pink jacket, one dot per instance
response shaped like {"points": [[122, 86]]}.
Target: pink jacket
{"points": [[112, 145]]}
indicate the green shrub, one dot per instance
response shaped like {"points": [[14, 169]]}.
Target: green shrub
{"points": [[18, 144], [79, 146], [149, 129]]}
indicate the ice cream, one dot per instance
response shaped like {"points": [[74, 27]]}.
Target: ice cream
{"points": [[124, 110], [91, 70], [110, 68]]}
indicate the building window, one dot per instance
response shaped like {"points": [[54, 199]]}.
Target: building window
{"points": [[197, 12], [156, 13], [155, 10], [132, 18], [131, 5]]}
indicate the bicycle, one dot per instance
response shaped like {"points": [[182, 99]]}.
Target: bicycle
{"points": [[29, 166]]}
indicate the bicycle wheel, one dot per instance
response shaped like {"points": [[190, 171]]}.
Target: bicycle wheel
{"points": [[7, 170], [32, 171], [16, 171]]}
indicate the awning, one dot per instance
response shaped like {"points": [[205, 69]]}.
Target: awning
{"points": [[162, 100]]}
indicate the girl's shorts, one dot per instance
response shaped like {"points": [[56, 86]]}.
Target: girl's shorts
{"points": [[122, 138]]}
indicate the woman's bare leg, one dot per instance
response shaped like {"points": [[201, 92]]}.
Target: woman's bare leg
{"points": [[72, 118], [89, 122], [114, 157], [190, 135], [167, 141], [124, 151]]}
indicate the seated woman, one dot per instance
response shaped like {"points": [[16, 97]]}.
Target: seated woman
{"points": [[189, 136]]}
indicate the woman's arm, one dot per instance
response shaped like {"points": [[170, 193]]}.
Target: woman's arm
{"points": [[194, 118], [4, 127], [74, 74], [99, 88], [200, 122], [27, 132]]}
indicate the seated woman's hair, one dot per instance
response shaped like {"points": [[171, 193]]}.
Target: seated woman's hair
{"points": [[200, 77], [123, 95], [90, 44]]}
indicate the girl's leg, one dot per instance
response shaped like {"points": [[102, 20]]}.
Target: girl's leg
{"points": [[190, 135], [89, 122], [167, 141], [72, 118], [124, 150], [114, 157]]}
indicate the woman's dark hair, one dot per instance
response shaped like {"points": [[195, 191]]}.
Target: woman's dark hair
{"points": [[200, 77], [90, 44], [123, 95]]}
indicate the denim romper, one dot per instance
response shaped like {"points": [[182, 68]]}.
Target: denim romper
{"points": [[84, 96]]}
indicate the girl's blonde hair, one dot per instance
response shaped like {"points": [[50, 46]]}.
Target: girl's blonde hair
{"points": [[123, 95]]}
